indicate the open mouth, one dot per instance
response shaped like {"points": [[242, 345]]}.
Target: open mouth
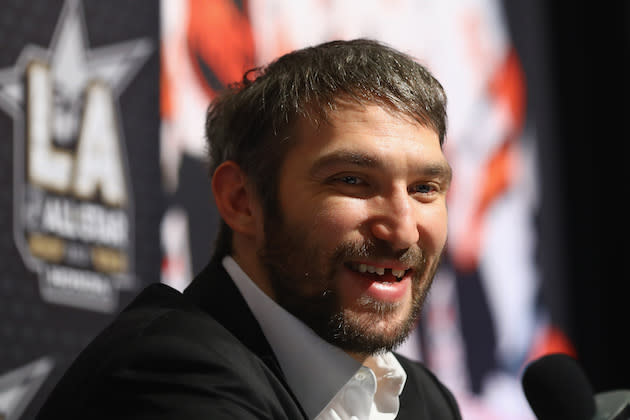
{"points": [[381, 274]]}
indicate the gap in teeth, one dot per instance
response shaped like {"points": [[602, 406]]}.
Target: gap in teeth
{"points": [[365, 268]]}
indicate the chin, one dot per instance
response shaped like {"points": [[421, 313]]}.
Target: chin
{"points": [[375, 331], [381, 324]]}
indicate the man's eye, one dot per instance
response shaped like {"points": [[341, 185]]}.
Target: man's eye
{"points": [[350, 180], [423, 189]]}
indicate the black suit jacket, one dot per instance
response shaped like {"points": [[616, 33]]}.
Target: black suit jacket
{"points": [[199, 355]]}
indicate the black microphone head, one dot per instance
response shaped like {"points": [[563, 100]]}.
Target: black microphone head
{"points": [[557, 389]]}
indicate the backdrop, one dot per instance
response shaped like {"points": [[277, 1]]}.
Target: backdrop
{"points": [[103, 186]]}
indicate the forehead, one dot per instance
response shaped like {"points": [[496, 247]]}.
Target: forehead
{"points": [[369, 129]]}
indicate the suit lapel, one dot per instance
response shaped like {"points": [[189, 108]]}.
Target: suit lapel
{"points": [[411, 404], [215, 293]]}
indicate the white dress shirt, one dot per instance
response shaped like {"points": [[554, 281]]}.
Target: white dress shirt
{"points": [[329, 384]]}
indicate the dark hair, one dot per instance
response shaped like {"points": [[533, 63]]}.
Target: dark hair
{"points": [[250, 123]]}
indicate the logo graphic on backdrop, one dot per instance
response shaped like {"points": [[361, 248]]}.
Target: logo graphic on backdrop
{"points": [[19, 386], [73, 211]]}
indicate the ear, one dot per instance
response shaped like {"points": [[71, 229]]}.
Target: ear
{"points": [[235, 199]]}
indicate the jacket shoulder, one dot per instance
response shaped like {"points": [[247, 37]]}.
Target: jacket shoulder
{"points": [[163, 358], [425, 393]]}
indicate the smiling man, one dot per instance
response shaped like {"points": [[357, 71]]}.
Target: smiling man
{"points": [[328, 172], [360, 225]]}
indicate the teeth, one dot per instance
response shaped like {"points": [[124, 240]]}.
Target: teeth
{"points": [[364, 268]]}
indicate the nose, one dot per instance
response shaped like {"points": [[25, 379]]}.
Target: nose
{"points": [[395, 220]]}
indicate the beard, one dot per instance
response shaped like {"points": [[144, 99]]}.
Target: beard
{"points": [[302, 273]]}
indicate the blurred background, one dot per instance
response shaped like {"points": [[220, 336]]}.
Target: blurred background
{"points": [[103, 186]]}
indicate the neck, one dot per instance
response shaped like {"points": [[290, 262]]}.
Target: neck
{"points": [[359, 357], [247, 258]]}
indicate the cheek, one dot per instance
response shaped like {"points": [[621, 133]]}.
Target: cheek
{"points": [[434, 227], [338, 217]]}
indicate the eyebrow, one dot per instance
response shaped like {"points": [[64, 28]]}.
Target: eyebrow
{"points": [[362, 160], [345, 157]]}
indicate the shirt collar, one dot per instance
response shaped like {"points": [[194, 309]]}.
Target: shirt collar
{"points": [[315, 369], [372, 394], [391, 378]]}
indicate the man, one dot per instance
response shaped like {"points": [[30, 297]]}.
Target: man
{"points": [[329, 176]]}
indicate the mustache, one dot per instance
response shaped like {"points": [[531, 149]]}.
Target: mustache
{"points": [[378, 249]]}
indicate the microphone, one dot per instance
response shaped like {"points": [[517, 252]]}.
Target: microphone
{"points": [[557, 388]]}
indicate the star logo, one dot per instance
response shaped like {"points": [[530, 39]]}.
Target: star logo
{"points": [[73, 214], [73, 65]]}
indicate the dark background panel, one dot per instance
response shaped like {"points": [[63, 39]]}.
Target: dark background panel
{"points": [[31, 328], [575, 58]]}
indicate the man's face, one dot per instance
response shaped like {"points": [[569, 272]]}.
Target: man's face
{"points": [[361, 227]]}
